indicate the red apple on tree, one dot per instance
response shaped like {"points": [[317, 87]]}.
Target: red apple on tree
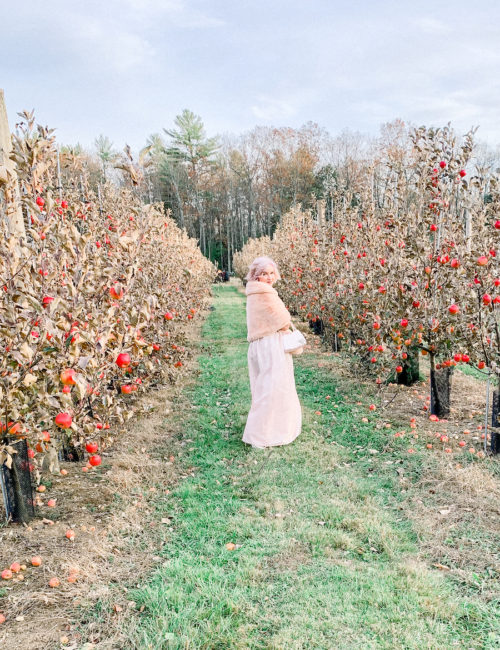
{"points": [[123, 360], [63, 420], [68, 377]]}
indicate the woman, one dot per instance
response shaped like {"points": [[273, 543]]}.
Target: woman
{"points": [[275, 417]]}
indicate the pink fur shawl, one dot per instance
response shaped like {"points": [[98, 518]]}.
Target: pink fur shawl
{"points": [[266, 312]]}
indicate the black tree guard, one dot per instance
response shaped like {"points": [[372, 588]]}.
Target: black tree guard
{"points": [[440, 390], [16, 485]]}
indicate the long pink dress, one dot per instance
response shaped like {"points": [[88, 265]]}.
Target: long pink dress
{"points": [[275, 417]]}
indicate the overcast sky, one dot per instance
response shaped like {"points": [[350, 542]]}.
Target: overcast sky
{"points": [[126, 68]]}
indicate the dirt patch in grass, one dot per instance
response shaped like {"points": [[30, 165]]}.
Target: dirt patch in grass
{"points": [[117, 536], [297, 554]]}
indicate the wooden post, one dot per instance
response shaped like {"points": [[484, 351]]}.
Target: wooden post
{"points": [[320, 206], [495, 423], [8, 176]]}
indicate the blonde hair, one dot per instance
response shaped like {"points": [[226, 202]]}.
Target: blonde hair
{"points": [[257, 267]]}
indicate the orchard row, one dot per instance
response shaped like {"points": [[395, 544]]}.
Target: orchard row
{"points": [[413, 271], [95, 301]]}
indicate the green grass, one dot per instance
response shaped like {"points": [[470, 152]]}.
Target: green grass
{"points": [[471, 371], [325, 556]]}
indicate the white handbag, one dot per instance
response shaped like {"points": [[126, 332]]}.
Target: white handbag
{"points": [[294, 342]]}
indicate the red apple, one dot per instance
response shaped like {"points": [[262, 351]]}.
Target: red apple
{"points": [[116, 292], [67, 377], [63, 420], [123, 360]]}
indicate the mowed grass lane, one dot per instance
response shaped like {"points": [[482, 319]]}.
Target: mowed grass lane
{"points": [[324, 556]]}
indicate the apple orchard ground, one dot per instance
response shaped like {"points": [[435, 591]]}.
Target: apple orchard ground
{"points": [[185, 538]]}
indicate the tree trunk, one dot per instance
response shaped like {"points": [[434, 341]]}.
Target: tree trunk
{"points": [[411, 369], [495, 423], [440, 390], [335, 341]]}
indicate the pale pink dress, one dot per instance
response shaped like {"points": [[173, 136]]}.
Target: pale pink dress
{"points": [[275, 416]]}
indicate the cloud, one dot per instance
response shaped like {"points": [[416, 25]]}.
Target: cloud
{"points": [[270, 109], [432, 26], [120, 50], [179, 12], [127, 67]]}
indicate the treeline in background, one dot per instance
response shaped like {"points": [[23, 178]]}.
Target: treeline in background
{"points": [[225, 190]]}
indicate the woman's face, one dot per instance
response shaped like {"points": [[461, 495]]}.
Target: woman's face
{"points": [[268, 275]]}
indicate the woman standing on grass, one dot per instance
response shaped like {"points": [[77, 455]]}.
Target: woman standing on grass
{"points": [[275, 417]]}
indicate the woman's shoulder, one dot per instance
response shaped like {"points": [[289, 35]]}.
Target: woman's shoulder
{"points": [[254, 287]]}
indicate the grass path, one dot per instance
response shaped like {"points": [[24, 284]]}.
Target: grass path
{"points": [[324, 558]]}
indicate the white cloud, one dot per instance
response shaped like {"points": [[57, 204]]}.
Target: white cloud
{"points": [[180, 13], [269, 109], [119, 50], [127, 67], [432, 26]]}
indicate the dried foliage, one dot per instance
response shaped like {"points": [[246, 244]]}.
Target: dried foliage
{"points": [[95, 277]]}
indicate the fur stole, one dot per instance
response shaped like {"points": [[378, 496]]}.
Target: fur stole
{"points": [[266, 312]]}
